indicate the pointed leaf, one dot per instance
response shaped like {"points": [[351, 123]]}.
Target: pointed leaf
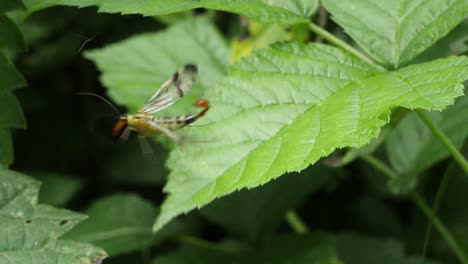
{"points": [[284, 108], [412, 147], [30, 232], [393, 32], [135, 68], [272, 11]]}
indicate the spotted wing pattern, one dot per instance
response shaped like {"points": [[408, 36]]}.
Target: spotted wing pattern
{"points": [[172, 90]]}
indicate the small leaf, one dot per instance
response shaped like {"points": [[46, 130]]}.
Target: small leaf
{"points": [[394, 32], [135, 68], [272, 11], [291, 249], [412, 147], [120, 223], [256, 212], [11, 35], [354, 249], [30, 232], [284, 108]]}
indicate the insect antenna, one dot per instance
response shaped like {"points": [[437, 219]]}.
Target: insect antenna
{"points": [[116, 111]]}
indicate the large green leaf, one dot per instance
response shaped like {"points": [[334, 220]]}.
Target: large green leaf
{"points": [[119, 223], [412, 147], [136, 67], [7, 5], [272, 11], [284, 108], [316, 248], [394, 31], [29, 232], [254, 213]]}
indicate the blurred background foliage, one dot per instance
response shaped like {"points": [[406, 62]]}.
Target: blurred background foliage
{"points": [[68, 146]]}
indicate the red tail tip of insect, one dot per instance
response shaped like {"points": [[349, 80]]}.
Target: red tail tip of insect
{"points": [[202, 103]]}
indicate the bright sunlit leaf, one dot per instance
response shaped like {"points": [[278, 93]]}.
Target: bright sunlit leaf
{"points": [[284, 108]]}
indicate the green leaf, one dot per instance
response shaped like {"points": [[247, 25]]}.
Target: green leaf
{"points": [[11, 35], [316, 248], [272, 11], [119, 224], [30, 232], [135, 68], [412, 147], [256, 212], [394, 32], [354, 249], [53, 186], [11, 78], [6, 151], [7, 5], [284, 108]]}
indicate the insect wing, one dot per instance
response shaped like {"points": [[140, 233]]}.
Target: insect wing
{"points": [[172, 90]]}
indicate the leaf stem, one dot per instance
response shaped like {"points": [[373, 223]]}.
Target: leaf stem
{"points": [[437, 201], [444, 139], [443, 230], [338, 42], [296, 222]]}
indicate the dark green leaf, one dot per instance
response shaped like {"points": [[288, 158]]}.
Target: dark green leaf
{"points": [[11, 35], [56, 189], [412, 147], [30, 232], [314, 249], [120, 223], [256, 212], [394, 32], [354, 249], [6, 151], [10, 77], [7, 5]]}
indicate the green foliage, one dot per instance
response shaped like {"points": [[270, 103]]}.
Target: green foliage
{"points": [[30, 232], [394, 32], [412, 147], [312, 248], [119, 224], [276, 11], [279, 102], [345, 99]]}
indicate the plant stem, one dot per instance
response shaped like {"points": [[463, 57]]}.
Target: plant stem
{"points": [[381, 166], [437, 201], [443, 230], [338, 42], [444, 139], [296, 222]]}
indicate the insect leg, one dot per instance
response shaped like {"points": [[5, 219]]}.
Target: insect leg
{"points": [[125, 134], [165, 131], [145, 146]]}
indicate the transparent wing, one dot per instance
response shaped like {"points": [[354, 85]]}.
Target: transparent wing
{"points": [[172, 90]]}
